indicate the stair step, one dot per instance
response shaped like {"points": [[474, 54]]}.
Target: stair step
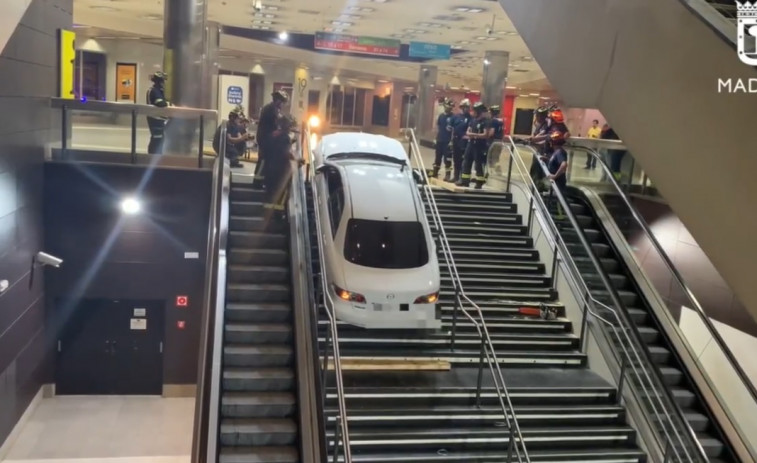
{"points": [[248, 292], [258, 333], [598, 455], [258, 312], [258, 379], [258, 432], [281, 454], [257, 356], [258, 405]]}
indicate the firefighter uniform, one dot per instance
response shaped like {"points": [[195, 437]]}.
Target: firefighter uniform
{"points": [[475, 153], [459, 138], [156, 97], [444, 125], [497, 134]]}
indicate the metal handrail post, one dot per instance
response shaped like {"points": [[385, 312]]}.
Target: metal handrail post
{"points": [[134, 137], [201, 141]]}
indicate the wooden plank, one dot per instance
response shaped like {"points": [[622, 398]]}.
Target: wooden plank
{"points": [[399, 364], [447, 185]]}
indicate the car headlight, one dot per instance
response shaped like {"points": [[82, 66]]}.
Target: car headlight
{"points": [[428, 298], [349, 296]]}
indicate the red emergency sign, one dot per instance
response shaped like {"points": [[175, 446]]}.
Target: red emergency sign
{"points": [[182, 301]]}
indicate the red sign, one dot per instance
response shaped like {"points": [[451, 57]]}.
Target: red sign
{"points": [[181, 324], [354, 44], [182, 301]]}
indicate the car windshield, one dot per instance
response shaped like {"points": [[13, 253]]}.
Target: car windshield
{"points": [[382, 244], [374, 156]]}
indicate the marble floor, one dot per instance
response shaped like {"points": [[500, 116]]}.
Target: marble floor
{"points": [[106, 429]]}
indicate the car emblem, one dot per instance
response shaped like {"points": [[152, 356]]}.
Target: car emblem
{"points": [[390, 296]]}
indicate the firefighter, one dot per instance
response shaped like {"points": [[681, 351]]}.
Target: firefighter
{"points": [[277, 170], [460, 125], [539, 140], [443, 139], [267, 128], [475, 153], [156, 97]]}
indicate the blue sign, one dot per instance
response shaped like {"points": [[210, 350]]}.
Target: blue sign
{"points": [[429, 50], [234, 95]]}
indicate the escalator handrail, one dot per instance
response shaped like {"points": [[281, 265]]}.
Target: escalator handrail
{"points": [[328, 304], [491, 355], [637, 347], [305, 320], [207, 403], [692, 299]]}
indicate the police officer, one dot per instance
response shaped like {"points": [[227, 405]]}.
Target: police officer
{"points": [[156, 97], [267, 129], [443, 139], [478, 137], [539, 139], [460, 138]]}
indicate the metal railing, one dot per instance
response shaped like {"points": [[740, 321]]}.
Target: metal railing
{"points": [[516, 442], [205, 436], [68, 107], [674, 437], [678, 295], [341, 444]]}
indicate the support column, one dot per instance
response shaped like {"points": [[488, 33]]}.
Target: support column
{"points": [[496, 65], [424, 106], [185, 45], [301, 85]]}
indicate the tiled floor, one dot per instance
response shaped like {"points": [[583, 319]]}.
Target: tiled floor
{"points": [[109, 429]]}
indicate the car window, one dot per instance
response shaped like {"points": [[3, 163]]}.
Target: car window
{"points": [[383, 244], [336, 198]]}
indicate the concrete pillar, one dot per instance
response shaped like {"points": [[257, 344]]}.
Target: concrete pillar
{"points": [[424, 107], [185, 41], [496, 65], [301, 85], [211, 66]]}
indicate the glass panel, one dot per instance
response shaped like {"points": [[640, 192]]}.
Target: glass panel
{"points": [[381, 244], [360, 97], [348, 113], [334, 106]]}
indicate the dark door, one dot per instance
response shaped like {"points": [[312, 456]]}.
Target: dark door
{"points": [[111, 347], [524, 121]]}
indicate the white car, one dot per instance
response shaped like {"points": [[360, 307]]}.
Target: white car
{"points": [[379, 253]]}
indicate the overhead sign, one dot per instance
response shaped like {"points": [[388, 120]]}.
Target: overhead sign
{"points": [[354, 44], [234, 95], [429, 50]]}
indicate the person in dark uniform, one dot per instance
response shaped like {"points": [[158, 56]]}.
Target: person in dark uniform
{"points": [[443, 139], [277, 170], [267, 127], [475, 153], [539, 141], [156, 97], [557, 164], [236, 138], [460, 138], [496, 134]]}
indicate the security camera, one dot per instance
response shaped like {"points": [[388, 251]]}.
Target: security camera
{"points": [[43, 258]]}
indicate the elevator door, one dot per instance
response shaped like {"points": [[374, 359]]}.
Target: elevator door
{"points": [[110, 347]]}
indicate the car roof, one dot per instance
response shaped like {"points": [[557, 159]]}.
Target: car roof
{"points": [[358, 142], [381, 192]]}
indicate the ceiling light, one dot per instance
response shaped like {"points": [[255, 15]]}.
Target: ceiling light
{"points": [[415, 31], [347, 17], [507, 33], [341, 23], [511, 88], [383, 81], [283, 36], [271, 8], [130, 206], [262, 28], [524, 96], [359, 9], [261, 21], [487, 62], [257, 69], [378, 1], [317, 78], [263, 15], [335, 81], [534, 94], [465, 9]]}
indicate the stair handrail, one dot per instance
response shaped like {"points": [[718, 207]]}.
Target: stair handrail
{"points": [[633, 348], [487, 347], [207, 402], [691, 300], [332, 338]]}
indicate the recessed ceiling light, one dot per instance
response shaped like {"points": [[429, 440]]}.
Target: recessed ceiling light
{"points": [[261, 21], [341, 23], [263, 15], [486, 37], [361, 9], [347, 17], [506, 33], [465, 9], [271, 8]]}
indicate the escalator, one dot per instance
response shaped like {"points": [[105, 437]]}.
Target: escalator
{"points": [[667, 361], [652, 67], [428, 411], [258, 403]]}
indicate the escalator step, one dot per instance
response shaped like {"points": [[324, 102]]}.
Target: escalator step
{"points": [[258, 405], [262, 312], [259, 455], [260, 333], [257, 240], [247, 292], [257, 356], [258, 432], [241, 256], [258, 379], [257, 274]]}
